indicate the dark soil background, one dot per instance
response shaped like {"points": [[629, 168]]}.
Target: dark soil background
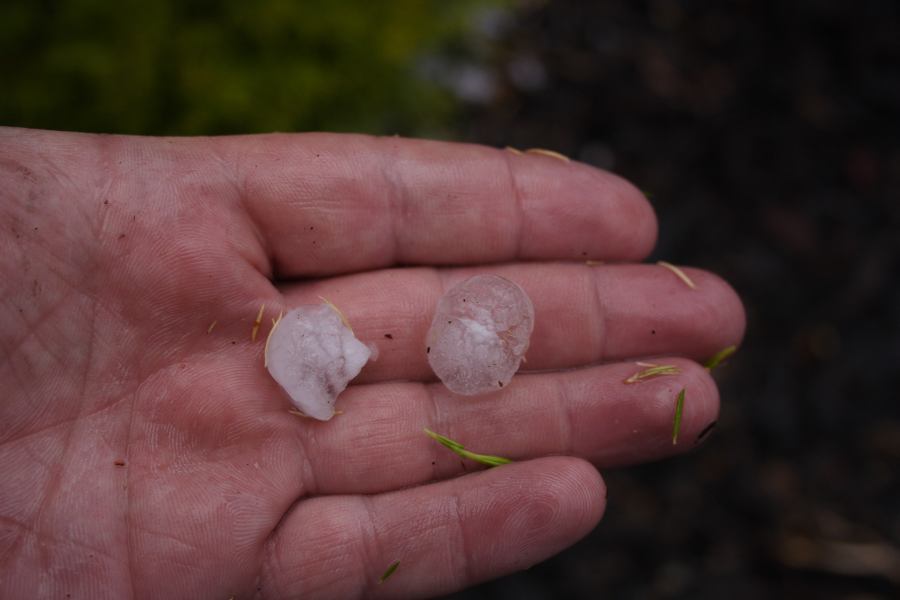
{"points": [[766, 134]]}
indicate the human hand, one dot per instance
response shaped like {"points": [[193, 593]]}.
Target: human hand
{"points": [[143, 456]]}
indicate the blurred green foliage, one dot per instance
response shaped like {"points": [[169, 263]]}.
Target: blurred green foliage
{"points": [[232, 66]]}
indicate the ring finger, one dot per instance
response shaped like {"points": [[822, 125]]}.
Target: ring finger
{"points": [[379, 443]]}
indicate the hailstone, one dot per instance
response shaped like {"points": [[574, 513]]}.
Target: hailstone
{"points": [[479, 334], [313, 354]]}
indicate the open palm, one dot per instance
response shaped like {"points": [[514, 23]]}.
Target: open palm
{"points": [[144, 450]]}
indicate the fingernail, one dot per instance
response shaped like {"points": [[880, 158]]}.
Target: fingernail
{"points": [[706, 431]]}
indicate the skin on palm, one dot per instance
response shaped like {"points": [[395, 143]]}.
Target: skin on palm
{"points": [[117, 254]]}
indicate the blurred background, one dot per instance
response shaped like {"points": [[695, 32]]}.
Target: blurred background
{"points": [[767, 135]]}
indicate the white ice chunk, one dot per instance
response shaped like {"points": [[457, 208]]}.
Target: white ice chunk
{"points": [[479, 334], [313, 355]]}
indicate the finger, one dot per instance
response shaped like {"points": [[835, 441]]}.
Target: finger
{"points": [[327, 204], [583, 314], [379, 441], [446, 536]]}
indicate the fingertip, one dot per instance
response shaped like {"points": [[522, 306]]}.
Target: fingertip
{"points": [[604, 216], [593, 487], [642, 240], [632, 228], [725, 309], [557, 501], [700, 406], [645, 421], [579, 484]]}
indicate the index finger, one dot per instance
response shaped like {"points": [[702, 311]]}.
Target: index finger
{"points": [[332, 203]]}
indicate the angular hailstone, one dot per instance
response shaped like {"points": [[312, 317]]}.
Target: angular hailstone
{"points": [[313, 354], [479, 334]]}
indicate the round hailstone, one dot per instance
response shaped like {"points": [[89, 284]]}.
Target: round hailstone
{"points": [[313, 354], [479, 334]]}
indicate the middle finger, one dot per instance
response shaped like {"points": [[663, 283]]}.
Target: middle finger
{"points": [[583, 314]]}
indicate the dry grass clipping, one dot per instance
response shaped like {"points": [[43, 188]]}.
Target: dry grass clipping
{"points": [[550, 153], [678, 273]]}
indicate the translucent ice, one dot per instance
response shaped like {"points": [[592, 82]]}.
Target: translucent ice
{"points": [[479, 334], [313, 354]]}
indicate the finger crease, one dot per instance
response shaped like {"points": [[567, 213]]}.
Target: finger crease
{"points": [[436, 424], [599, 332], [245, 203], [372, 551], [566, 417], [464, 564], [517, 204], [308, 476], [395, 201]]}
